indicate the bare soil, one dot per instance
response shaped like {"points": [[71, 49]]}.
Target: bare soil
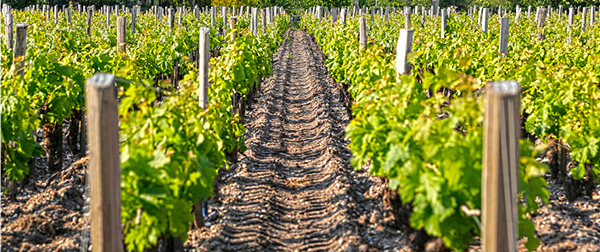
{"points": [[294, 188], [51, 211]]}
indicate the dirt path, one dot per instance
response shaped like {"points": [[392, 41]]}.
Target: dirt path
{"points": [[294, 188]]}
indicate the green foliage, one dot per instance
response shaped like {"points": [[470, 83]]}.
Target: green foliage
{"points": [[427, 143], [171, 149]]}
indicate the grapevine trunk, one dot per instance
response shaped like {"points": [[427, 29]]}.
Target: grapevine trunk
{"points": [[53, 145]]}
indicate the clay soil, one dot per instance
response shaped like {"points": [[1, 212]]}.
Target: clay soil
{"points": [[293, 189]]}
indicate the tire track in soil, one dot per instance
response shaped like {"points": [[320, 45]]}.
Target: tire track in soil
{"points": [[294, 188]]}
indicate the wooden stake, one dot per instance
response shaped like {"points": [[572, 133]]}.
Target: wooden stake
{"points": [[443, 23], [8, 29], [122, 34], [500, 167], [263, 20], [105, 166], [203, 58], [232, 23], [20, 48], [504, 23], [363, 33], [484, 20], [406, 18], [89, 21], [69, 17], [404, 47]]}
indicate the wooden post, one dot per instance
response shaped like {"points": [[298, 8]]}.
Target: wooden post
{"points": [[343, 16], [334, 15], [213, 10], [540, 20], [203, 58], [122, 34], [443, 24], [560, 10], [571, 13], [529, 12], [8, 30], [179, 17], [232, 23], [133, 19], [484, 20], [404, 47], [504, 23], [363, 33], [105, 169], [107, 16], [500, 167], [319, 12], [69, 16], [254, 21], [171, 13], [435, 7], [55, 13], [263, 20], [387, 14], [518, 14], [89, 21], [224, 14], [592, 15], [20, 48], [583, 17], [406, 18]]}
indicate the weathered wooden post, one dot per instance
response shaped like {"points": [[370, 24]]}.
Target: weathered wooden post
{"points": [[213, 11], [105, 165], [403, 48], [232, 23], [171, 18], [387, 14], [504, 27], [363, 33], [69, 16], [107, 11], [484, 20], [8, 30], [334, 15], [179, 17], [571, 13], [583, 17], [319, 12], [55, 13], [406, 18], [540, 20], [203, 59], [89, 21], [20, 48], [254, 21], [224, 14], [443, 23], [133, 20], [435, 6], [592, 15], [501, 167], [343, 16], [263, 20], [517, 14], [529, 12], [122, 34], [560, 11]]}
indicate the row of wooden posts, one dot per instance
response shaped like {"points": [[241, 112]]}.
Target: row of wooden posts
{"points": [[102, 107], [268, 14], [434, 10], [501, 142]]}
